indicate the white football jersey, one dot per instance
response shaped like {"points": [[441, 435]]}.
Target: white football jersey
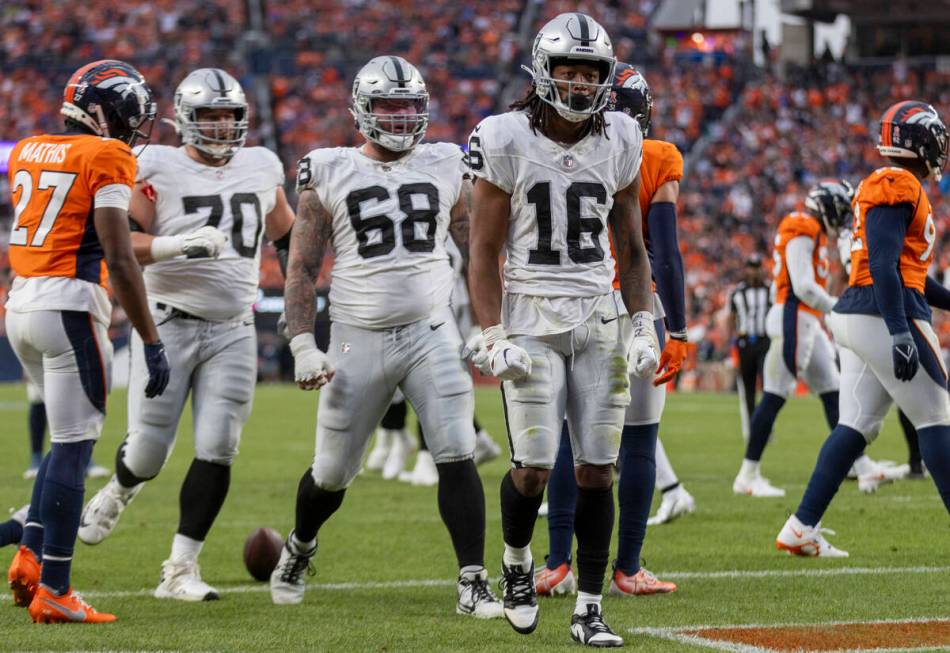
{"points": [[558, 243], [235, 198], [390, 222]]}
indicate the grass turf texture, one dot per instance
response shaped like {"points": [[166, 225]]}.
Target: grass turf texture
{"points": [[391, 532]]}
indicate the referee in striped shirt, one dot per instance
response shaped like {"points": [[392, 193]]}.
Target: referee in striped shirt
{"points": [[749, 302]]}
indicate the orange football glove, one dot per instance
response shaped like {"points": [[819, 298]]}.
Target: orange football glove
{"points": [[671, 360]]}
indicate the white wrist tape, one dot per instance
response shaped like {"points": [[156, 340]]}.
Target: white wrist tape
{"points": [[302, 344], [166, 247]]}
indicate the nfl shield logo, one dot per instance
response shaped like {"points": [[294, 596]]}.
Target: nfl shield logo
{"points": [[567, 161], [345, 347]]}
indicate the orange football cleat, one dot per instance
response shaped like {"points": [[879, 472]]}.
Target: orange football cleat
{"points": [[640, 583], [50, 608], [24, 576], [555, 582]]}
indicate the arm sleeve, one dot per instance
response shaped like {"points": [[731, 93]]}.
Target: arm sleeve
{"points": [[937, 294], [886, 227], [114, 195], [668, 264], [801, 273]]}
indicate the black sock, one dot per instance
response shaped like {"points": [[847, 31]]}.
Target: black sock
{"points": [[395, 417], [123, 474], [593, 525], [518, 513], [478, 427], [760, 426], [829, 401], [37, 421], [462, 506], [202, 495], [913, 445], [314, 507]]}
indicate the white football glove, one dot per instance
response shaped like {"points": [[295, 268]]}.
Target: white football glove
{"points": [[474, 350], [206, 242], [312, 368], [643, 358], [506, 361]]}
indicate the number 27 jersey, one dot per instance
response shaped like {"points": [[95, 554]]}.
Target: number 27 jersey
{"points": [[558, 244], [390, 222]]}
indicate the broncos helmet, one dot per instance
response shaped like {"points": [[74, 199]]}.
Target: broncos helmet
{"points": [[830, 202], [572, 38], [914, 130], [111, 99], [390, 78], [211, 88], [631, 95]]}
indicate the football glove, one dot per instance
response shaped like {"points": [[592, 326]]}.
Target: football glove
{"points": [[671, 359], [312, 368], [905, 356], [158, 370], [644, 356], [476, 353], [206, 242], [506, 361]]}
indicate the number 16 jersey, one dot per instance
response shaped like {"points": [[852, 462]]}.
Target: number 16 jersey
{"points": [[390, 222], [189, 195]]}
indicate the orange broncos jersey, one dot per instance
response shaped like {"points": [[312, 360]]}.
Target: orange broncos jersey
{"points": [[797, 225], [884, 187], [662, 162], [54, 180]]}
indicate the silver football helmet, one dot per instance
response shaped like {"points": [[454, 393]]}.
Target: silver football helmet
{"points": [[572, 38], [390, 78], [211, 88]]}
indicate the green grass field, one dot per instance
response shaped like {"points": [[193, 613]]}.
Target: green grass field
{"points": [[385, 568]]}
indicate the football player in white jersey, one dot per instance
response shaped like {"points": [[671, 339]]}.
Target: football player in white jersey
{"points": [[200, 210], [552, 176], [386, 208]]}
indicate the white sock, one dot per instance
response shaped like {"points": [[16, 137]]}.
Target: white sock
{"points": [[863, 465], [300, 546], [185, 548], [665, 476], [749, 468], [517, 556], [584, 599]]}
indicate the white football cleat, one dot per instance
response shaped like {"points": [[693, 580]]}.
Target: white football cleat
{"points": [[485, 448], [19, 516], [798, 539], [400, 449], [287, 580], [676, 502], [377, 457], [101, 514], [880, 475], [521, 604], [476, 598], [425, 473], [754, 485], [181, 580]]}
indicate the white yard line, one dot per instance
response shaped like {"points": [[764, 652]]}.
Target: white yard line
{"points": [[447, 582]]}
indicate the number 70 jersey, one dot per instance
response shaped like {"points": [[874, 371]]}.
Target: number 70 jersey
{"points": [[188, 195], [390, 222], [558, 244]]}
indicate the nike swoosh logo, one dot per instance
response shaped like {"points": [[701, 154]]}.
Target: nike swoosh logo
{"points": [[75, 615], [906, 356], [797, 534], [604, 320], [436, 326]]}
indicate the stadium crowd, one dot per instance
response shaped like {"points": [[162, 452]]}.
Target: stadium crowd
{"points": [[753, 166]]}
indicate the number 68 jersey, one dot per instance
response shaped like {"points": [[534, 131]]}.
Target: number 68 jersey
{"points": [[558, 244], [189, 195], [390, 222]]}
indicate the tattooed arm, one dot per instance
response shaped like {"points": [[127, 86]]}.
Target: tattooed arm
{"points": [[458, 226]]}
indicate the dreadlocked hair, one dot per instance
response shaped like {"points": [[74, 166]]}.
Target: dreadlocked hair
{"points": [[540, 114]]}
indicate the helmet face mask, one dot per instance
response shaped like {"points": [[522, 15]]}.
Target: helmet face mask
{"points": [[572, 39], [914, 130], [110, 98], [201, 100], [630, 94], [390, 103], [830, 202]]}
